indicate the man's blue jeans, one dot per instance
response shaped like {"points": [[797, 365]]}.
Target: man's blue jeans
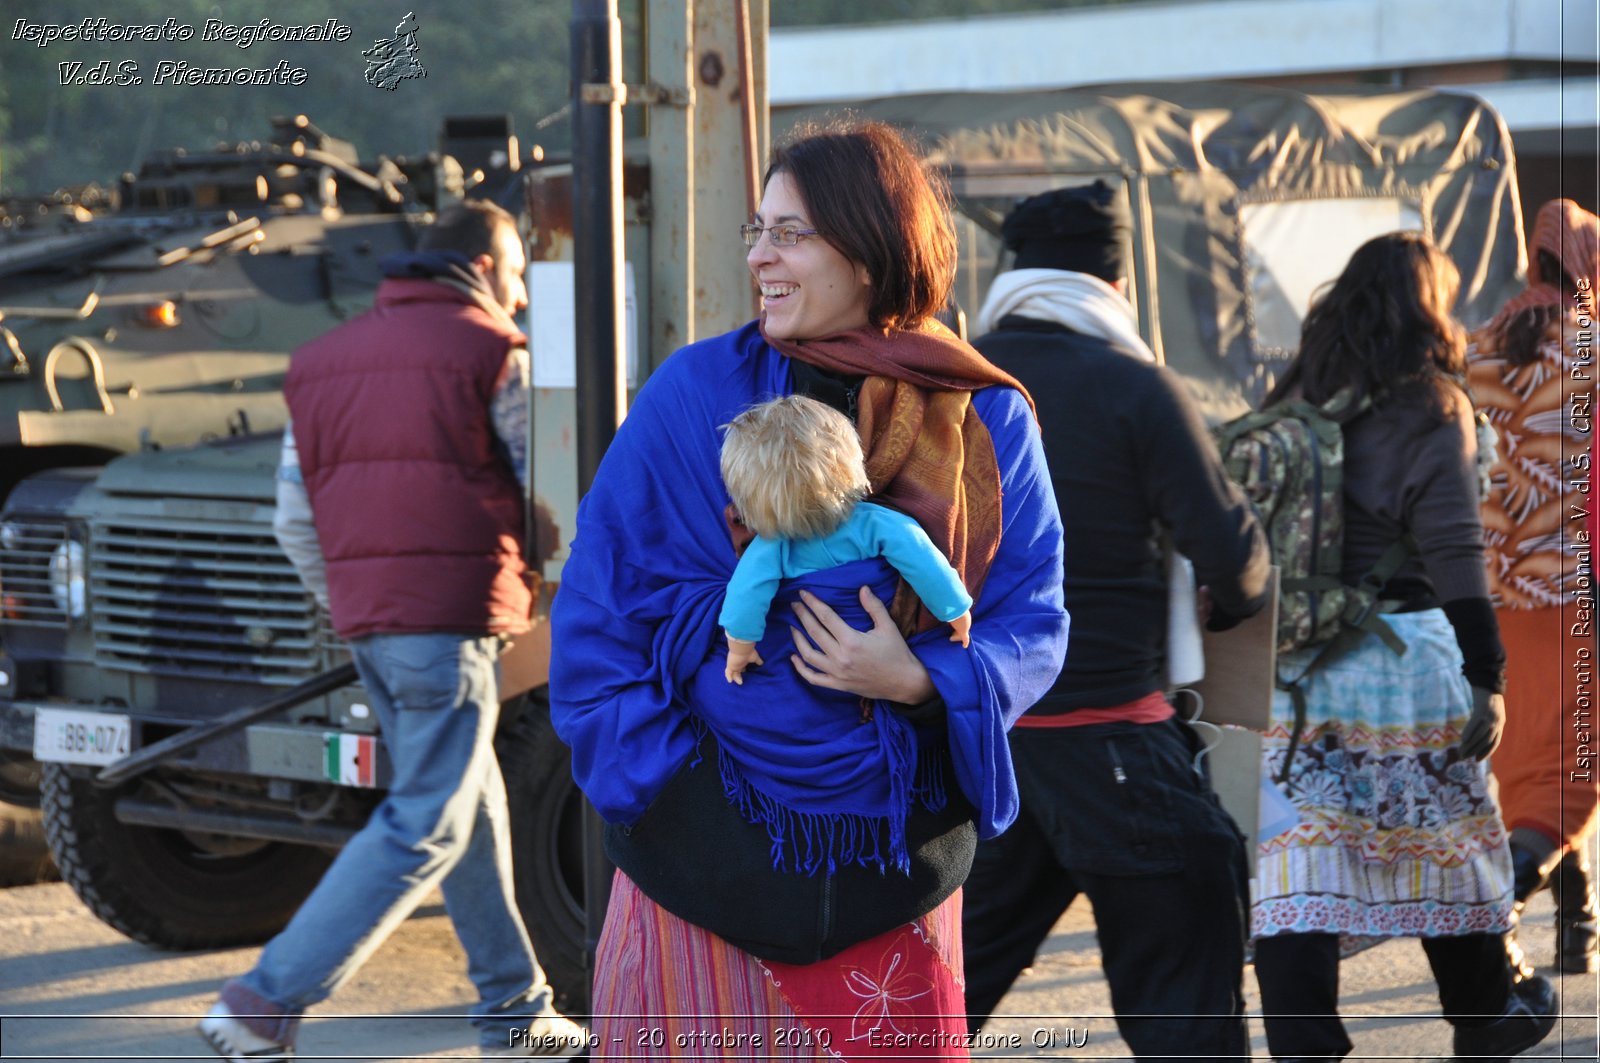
{"points": [[442, 824]]}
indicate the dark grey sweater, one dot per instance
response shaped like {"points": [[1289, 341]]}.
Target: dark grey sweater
{"points": [[1405, 472]]}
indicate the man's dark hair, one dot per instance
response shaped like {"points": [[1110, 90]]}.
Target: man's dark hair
{"points": [[870, 196], [469, 227]]}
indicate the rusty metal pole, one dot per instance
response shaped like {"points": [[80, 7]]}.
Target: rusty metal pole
{"points": [[601, 376]]}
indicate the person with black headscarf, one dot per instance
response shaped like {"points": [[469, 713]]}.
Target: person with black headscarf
{"points": [[1113, 805]]}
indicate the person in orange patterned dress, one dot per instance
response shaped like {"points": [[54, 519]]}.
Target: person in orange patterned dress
{"points": [[1532, 370]]}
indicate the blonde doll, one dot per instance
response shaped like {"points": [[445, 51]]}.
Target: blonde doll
{"points": [[794, 469]]}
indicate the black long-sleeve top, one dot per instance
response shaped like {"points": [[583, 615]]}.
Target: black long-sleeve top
{"points": [[1130, 457]]}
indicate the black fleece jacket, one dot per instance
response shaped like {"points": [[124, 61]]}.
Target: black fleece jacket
{"points": [[1129, 457]]}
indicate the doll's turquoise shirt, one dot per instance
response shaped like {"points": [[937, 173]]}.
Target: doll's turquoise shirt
{"points": [[870, 531]]}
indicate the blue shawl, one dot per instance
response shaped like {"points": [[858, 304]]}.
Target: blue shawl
{"points": [[637, 675]]}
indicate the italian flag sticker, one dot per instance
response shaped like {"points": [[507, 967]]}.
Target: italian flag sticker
{"points": [[351, 760]]}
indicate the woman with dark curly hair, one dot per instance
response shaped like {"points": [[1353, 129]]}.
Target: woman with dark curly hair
{"points": [[1398, 835]]}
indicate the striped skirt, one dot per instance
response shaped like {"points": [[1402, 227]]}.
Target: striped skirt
{"points": [[1398, 836], [667, 990]]}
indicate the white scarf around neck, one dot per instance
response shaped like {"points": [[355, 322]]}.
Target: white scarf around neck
{"points": [[1086, 304], [1078, 301]]}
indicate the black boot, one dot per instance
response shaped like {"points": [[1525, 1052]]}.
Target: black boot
{"points": [[1529, 1017], [1526, 877], [1528, 872], [1573, 886]]}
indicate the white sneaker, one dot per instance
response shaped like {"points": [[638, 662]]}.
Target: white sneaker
{"points": [[549, 1036], [231, 1039]]}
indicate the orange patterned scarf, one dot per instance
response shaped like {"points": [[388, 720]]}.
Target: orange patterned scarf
{"points": [[928, 454], [1567, 233], [1526, 521]]}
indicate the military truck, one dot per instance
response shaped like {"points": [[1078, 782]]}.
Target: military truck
{"points": [[148, 595]]}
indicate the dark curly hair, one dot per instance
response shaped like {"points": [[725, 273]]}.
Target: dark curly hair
{"points": [[1384, 328], [871, 197]]}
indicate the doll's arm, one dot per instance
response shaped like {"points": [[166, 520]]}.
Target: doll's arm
{"points": [[744, 609], [904, 544]]}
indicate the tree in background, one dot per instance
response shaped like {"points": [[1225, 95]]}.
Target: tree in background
{"points": [[489, 57], [485, 57]]}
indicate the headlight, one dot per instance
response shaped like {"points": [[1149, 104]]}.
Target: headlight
{"points": [[68, 586]]}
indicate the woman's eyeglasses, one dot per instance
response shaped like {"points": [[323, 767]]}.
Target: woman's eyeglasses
{"points": [[780, 235]]}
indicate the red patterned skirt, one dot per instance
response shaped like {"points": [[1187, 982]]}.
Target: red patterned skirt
{"points": [[666, 989]]}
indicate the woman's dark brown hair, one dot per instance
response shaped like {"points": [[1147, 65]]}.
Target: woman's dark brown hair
{"points": [[1384, 328], [870, 196]]}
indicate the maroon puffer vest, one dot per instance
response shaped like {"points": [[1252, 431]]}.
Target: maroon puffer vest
{"points": [[419, 518]]}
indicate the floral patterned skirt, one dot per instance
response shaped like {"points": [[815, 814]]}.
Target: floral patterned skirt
{"points": [[1398, 835]]}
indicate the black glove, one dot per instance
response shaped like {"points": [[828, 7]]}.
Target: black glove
{"points": [[1481, 736]]}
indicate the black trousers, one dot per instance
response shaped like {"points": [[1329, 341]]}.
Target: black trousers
{"points": [[1118, 812], [1299, 979]]}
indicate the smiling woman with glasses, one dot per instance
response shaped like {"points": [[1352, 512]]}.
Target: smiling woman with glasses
{"points": [[817, 821]]}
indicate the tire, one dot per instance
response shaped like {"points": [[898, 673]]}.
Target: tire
{"points": [[547, 846], [19, 779], [24, 856], [165, 887]]}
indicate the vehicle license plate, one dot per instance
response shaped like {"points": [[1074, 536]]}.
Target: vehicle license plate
{"points": [[67, 736]]}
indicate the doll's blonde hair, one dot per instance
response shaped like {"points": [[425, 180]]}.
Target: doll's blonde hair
{"points": [[793, 467]]}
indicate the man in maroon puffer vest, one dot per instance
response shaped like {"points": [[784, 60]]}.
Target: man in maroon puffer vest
{"points": [[399, 504]]}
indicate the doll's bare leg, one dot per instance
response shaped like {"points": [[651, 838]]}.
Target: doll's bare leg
{"points": [[741, 655]]}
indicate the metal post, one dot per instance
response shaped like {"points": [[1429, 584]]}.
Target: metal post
{"points": [[597, 228], [601, 380]]}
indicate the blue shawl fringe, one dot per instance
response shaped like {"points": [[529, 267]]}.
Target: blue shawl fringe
{"points": [[809, 842]]}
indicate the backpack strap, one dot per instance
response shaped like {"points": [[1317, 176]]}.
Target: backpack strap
{"points": [[1334, 648], [1361, 617], [1362, 612]]}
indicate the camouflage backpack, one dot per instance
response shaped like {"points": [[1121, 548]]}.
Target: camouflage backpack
{"points": [[1289, 461]]}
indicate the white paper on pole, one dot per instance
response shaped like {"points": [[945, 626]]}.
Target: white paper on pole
{"points": [[552, 338]]}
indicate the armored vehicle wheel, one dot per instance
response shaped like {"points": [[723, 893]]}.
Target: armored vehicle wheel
{"points": [[171, 888], [547, 845]]}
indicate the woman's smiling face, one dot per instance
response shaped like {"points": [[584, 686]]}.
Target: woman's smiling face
{"points": [[811, 289]]}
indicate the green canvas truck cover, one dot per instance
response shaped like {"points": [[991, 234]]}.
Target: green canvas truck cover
{"points": [[1245, 199]]}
